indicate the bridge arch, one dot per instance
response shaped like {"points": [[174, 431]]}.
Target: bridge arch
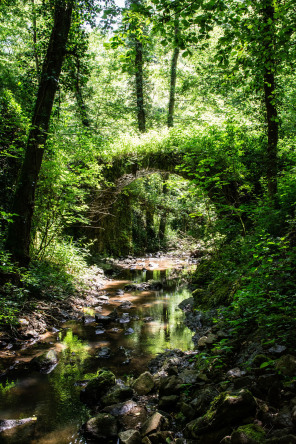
{"points": [[122, 170]]}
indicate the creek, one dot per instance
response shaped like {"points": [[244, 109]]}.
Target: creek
{"points": [[148, 324]]}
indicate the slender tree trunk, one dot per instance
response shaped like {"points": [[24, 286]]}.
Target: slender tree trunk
{"points": [[150, 233], [34, 23], [173, 82], [18, 240], [139, 86], [163, 216], [269, 98], [79, 96]]}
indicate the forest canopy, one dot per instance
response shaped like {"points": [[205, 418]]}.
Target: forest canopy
{"points": [[128, 129]]}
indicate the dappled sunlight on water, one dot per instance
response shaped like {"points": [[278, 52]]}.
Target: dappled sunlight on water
{"points": [[155, 323]]}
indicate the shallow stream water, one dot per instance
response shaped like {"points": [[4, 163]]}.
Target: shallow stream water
{"points": [[155, 323]]}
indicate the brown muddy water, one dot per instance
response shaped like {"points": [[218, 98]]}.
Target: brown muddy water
{"points": [[154, 324]]}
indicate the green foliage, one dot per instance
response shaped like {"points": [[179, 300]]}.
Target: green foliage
{"points": [[4, 388], [266, 298]]}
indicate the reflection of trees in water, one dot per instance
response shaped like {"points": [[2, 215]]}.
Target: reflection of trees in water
{"points": [[167, 333], [65, 394]]}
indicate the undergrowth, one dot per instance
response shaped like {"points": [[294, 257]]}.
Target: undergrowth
{"points": [[55, 277]]}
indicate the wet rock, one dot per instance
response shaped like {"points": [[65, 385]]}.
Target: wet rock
{"points": [[125, 304], [134, 417], [226, 410], [104, 352], [148, 319], [144, 286], [144, 383], [100, 331], [97, 387], [17, 430], [103, 319], [130, 437], [153, 424], [248, 434], [115, 330], [6, 424], [102, 428], [46, 362], [286, 364], [134, 287], [88, 319], [103, 298], [129, 331], [116, 395], [120, 409], [124, 318]]}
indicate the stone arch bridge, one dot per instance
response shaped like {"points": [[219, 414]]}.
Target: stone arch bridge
{"points": [[123, 170]]}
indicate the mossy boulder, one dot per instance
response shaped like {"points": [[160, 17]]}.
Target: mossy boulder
{"points": [[144, 383], [227, 409], [97, 387], [101, 428], [248, 434], [117, 394], [130, 437]]}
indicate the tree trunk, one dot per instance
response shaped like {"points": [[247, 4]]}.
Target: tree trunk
{"points": [[150, 233], [34, 30], [18, 240], [269, 98], [139, 86], [173, 82], [163, 216], [79, 97]]}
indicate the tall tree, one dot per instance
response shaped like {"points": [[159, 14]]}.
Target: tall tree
{"points": [[18, 240], [133, 35], [173, 77], [139, 78]]}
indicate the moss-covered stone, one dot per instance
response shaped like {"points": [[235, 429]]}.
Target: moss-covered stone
{"points": [[97, 387], [102, 428], [248, 434], [144, 383], [116, 395], [227, 409]]}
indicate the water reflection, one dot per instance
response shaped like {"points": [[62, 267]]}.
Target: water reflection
{"points": [[155, 324]]}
